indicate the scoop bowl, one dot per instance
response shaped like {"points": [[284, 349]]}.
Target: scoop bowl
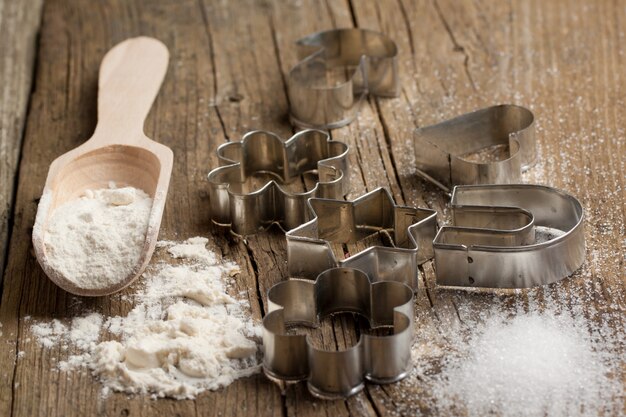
{"points": [[130, 76]]}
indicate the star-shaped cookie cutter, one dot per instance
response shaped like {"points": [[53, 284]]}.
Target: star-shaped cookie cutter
{"points": [[493, 242], [410, 229], [443, 152], [338, 374], [337, 69], [237, 203]]}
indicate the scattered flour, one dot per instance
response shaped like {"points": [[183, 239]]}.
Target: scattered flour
{"points": [[97, 240], [192, 249], [184, 335], [49, 333]]}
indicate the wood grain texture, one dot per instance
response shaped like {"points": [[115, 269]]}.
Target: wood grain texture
{"points": [[130, 77], [563, 59], [19, 22]]}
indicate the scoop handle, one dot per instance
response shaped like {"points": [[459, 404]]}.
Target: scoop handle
{"points": [[131, 74]]}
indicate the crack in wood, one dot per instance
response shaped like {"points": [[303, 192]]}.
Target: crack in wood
{"points": [[457, 46]]}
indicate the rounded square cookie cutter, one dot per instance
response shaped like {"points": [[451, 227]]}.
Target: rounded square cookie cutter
{"points": [[338, 374], [441, 149], [365, 62]]}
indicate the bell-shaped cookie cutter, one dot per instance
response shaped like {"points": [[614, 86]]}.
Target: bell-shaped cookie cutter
{"points": [[338, 374], [441, 150], [493, 242], [235, 202], [337, 69], [410, 229]]}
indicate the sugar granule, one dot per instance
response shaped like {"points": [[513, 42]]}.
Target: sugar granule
{"points": [[533, 363]]}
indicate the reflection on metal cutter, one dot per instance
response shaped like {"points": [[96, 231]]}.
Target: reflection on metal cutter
{"points": [[236, 202], [493, 242], [338, 374], [441, 150], [410, 229], [337, 69]]}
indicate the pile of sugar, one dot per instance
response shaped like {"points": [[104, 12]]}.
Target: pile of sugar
{"points": [[184, 335], [97, 240], [533, 363]]}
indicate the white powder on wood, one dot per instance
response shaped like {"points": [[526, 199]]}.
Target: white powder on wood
{"points": [[96, 241], [49, 333], [529, 364], [184, 335]]}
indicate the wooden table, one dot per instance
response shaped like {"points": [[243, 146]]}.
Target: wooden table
{"points": [[563, 59]]}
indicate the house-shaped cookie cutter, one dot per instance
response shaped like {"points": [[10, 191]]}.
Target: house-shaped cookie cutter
{"points": [[338, 374], [495, 241]]}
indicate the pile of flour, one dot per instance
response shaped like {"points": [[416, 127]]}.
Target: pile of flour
{"points": [[97, 240], [184, 335]]}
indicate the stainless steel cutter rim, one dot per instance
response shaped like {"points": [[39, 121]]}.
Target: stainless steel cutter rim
{"points": [[514, 146], [318, 48], [571, 239], [332, 181], [427, 218], [575, 202], [366, 351], [323, 395], [390, 45], [527, 229], [295, 137], [501, 171]]}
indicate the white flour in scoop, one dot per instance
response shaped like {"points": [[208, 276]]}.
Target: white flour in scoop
{"points": [[97, 240], [183, 335]]}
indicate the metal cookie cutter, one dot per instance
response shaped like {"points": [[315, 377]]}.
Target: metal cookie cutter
{"points": [[494, 243], [442, 151], [236, 202], [410, 229], [338, 374], [337, 69]]}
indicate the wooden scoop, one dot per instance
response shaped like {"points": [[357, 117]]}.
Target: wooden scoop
{"points": [[130, 77]]}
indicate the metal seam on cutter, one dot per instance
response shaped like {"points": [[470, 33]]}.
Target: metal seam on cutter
{"points": [[441, 149], [411, 229], [365, 62], [338, 374], [246, 209], [493, 242]]}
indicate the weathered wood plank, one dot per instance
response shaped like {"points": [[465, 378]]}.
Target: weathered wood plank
{"points": [[64, 114], [226, 76], [19, 23]]}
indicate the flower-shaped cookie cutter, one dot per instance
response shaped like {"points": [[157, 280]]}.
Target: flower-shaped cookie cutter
{"points": [[411, 231], [443, 152], [337, 69], [338, 374], [493, 243], [238, 203]]}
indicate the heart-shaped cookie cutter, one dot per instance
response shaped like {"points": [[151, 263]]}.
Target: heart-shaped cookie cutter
{"points": [[443, 151]]}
